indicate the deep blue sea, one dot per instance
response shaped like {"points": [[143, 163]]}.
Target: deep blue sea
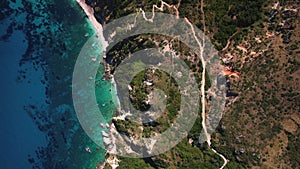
{"points": [[39, 43]]}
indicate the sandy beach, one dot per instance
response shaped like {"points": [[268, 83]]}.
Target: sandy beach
{"points": [[112, 160], [89, 11]]}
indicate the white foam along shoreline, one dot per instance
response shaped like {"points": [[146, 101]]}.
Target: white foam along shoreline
{"points": [[89, 11]]}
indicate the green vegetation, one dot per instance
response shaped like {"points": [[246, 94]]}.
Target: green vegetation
{"points": [[293, 147], [252, 129], [139, 96], [183, 155], [224, 18]]}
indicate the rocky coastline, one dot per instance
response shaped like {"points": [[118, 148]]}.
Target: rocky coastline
{"points": [[108, 138]]}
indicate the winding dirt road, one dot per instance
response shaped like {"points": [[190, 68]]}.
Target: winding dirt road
{"points": [[98, 28]]}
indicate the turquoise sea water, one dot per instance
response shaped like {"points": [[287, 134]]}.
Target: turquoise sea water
{"points": [[40, 41]]}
